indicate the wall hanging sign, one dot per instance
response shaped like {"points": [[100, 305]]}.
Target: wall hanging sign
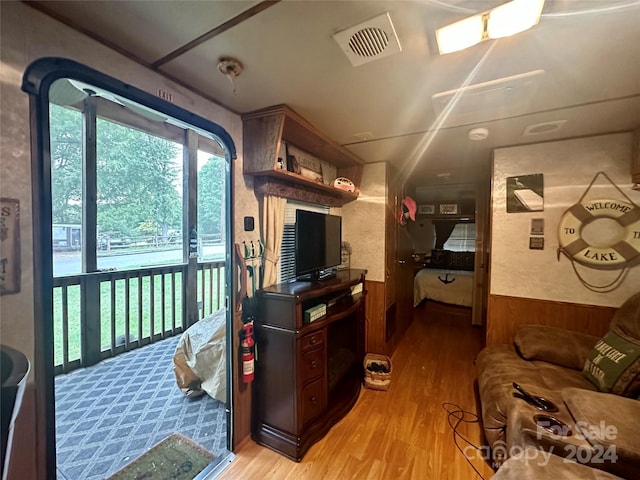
{"points": [[537, 226], [426, 209], [9, 246], [620, 252], [449, 208], [536, 243], [525, 193]]}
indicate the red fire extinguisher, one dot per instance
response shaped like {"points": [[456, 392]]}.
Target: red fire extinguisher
{"points": [[247, 352]]}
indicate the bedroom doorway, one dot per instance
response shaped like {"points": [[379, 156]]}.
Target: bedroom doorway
{"points": [[450, 248], [126, 264]]}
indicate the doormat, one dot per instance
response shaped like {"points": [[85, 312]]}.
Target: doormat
{"points": [[176, 457]]}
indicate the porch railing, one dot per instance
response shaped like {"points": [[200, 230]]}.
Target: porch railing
{"points": [[102, 314]]}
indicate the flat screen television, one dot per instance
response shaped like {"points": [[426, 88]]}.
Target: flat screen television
{"points": [[318, 244]]}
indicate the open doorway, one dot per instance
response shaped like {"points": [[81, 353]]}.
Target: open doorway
{"points": [[133, 219], [449, 238]]}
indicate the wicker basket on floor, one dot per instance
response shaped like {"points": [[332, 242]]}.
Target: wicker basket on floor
{"points": [[376, 380]]}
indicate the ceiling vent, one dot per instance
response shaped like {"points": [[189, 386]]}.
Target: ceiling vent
{"points": [[369, 41], [540, 128]]}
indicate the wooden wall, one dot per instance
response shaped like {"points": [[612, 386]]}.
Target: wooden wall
{"points": [[505, 314], [374, 313], [242, 392], [23, 465]]}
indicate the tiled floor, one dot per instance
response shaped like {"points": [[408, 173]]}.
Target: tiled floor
{"points": [[110, 413]]}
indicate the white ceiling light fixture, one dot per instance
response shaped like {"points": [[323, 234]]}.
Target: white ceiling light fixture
{"points": [[503, 21], [460, 35], [231, 68], [514, 17]]}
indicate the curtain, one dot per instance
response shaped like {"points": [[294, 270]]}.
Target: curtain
{"points": [[443, 232], [273, 209]]}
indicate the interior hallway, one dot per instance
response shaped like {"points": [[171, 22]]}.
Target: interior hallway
{"points": [[399, 434]]}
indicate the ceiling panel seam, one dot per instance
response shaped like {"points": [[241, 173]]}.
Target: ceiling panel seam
{"points": [[486, 122], [215, 32]]}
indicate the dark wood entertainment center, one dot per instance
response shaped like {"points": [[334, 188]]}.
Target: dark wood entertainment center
{"points": [[308, 375]]}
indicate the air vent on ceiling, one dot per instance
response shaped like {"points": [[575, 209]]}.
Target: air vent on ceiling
{"points": [[369, 41], [540, 128]]}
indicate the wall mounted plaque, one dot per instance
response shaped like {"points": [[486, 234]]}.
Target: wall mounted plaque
{"points": [[426, 209], [449, 208], [9, 246]]}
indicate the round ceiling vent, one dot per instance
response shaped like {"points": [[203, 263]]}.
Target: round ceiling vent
{"points": [[369, 42], [546, 127]]}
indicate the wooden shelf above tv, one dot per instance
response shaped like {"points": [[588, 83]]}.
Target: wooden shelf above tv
{"points": [[265, 130]]}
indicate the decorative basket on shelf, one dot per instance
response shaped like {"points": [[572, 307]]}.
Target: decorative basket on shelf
{"points": [[377, 380]]}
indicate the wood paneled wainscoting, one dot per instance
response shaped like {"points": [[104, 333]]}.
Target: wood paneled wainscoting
{"points": [[386, 323], [505, 314]]}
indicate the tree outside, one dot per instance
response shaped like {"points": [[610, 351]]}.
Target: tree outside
{"points": [[211, 204], [139, 181], [66, 165]]}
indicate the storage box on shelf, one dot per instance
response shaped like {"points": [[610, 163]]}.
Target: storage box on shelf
{"points": [[265, 132]]}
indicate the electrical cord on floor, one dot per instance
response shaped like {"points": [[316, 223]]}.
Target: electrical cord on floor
{"points": [[456, 416]]}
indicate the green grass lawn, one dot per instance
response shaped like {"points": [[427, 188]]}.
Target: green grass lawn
{"points": [[73, 302]]}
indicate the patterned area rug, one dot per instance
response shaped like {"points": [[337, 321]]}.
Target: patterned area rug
{"points": [[175, 457], [111, 413]]}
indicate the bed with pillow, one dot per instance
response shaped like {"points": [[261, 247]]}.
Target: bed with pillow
{"points": [[448, 278]]}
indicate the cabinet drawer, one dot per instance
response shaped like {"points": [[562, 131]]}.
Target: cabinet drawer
{"points": [[312, 364], [312, 401], [312, 340]]}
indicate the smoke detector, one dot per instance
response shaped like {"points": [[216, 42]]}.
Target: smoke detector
{"points": [[478, 134], [369, 41]]}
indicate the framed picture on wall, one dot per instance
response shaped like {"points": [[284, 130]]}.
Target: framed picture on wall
{"points": [[449, 208], [10, 246], [525, 193], [426, 209]]}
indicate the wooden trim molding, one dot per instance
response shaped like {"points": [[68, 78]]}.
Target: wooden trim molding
{"points": [[242, 392], [375, 315], [24, 464], [505, 314], [635, 159]]}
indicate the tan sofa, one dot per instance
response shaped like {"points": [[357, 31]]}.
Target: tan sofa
{"points": [[548, 362], [532, 464]]}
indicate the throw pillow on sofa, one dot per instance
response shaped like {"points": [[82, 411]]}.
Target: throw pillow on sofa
{"points": [[614, 365]]}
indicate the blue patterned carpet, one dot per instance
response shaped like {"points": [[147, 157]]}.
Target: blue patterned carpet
{"points": [[109, 414]]}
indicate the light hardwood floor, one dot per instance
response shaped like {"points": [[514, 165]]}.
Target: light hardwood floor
{"points": [[399, 434]]}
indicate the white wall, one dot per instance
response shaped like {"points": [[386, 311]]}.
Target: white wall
{"points": [[27, 35], [568, 167], [363, 223]]}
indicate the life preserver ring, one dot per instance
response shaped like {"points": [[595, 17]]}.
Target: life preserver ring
{"points": [[623, 253]]}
